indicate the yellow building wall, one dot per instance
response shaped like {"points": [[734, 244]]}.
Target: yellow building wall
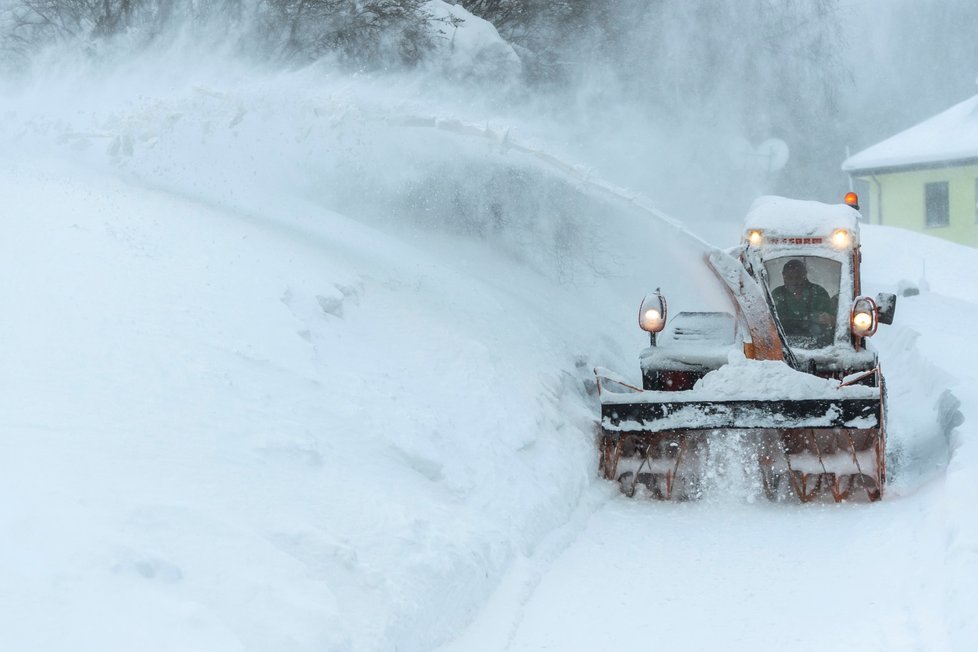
{"points": [[897, 199]]}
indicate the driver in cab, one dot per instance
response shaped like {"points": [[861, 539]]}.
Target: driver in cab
{"points": [[804, 308]]}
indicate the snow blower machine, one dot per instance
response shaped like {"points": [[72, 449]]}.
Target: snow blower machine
{"points": [[788, 379]]}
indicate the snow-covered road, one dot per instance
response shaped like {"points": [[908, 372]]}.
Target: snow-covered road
{"points": [[735, 576]]}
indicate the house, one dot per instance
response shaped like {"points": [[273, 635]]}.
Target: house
{"points": [[925, 178]]}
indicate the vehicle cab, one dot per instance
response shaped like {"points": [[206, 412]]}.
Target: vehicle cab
{"points": [[807, 256]]}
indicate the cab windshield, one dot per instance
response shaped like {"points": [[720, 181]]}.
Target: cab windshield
{"points": [[805, 290]]}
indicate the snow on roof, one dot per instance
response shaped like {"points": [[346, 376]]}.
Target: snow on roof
{"points": [[799, 217], [948, 136]]}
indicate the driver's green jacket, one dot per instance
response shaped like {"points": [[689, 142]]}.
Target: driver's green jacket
{"points": [[797, 313]]}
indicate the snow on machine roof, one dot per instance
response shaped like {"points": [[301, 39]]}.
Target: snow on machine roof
{"points": [[796, 217]]}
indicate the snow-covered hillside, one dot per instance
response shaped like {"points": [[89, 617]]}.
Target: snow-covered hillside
{"points": [[296, 366]]}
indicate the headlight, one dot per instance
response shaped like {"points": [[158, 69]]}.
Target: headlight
{"points": [[652, 313], [840, 239], [755, 237], [863, 319], [652, 321]]}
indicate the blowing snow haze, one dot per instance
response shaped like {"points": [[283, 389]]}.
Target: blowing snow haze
{"points": [[303, 300], [700, 105]]}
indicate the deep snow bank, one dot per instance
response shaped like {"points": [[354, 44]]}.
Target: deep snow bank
{"points": [[933, 372], [226, 434]]}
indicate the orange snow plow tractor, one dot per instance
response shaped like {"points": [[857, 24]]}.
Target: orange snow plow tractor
{"points": [[787, 382]]}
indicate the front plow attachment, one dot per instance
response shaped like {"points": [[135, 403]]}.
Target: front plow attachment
{"points": [[619, 414], [667, 444]]}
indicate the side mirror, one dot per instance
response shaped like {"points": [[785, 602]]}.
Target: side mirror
{"points": [[652, 313], [886, 304]]}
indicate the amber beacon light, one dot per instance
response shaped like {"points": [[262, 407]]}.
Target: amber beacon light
{"points": [[852, 199]]}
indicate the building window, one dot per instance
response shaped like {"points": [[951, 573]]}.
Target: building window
{"points": [[936, 202]]}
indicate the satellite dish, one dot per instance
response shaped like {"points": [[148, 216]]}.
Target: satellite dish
{"points": [[772, 154], [769, 156]]}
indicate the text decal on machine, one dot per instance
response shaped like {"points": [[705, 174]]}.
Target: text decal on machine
{"points": [[798, 241]]}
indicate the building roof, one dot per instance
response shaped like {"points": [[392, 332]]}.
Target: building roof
{"points": [[947, 138]]}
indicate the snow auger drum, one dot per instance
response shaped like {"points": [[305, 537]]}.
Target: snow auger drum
{"points": [[830, 448]]}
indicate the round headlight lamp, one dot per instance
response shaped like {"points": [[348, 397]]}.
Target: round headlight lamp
{"points": [[652, 313], [863, 319], [840, 239]]}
